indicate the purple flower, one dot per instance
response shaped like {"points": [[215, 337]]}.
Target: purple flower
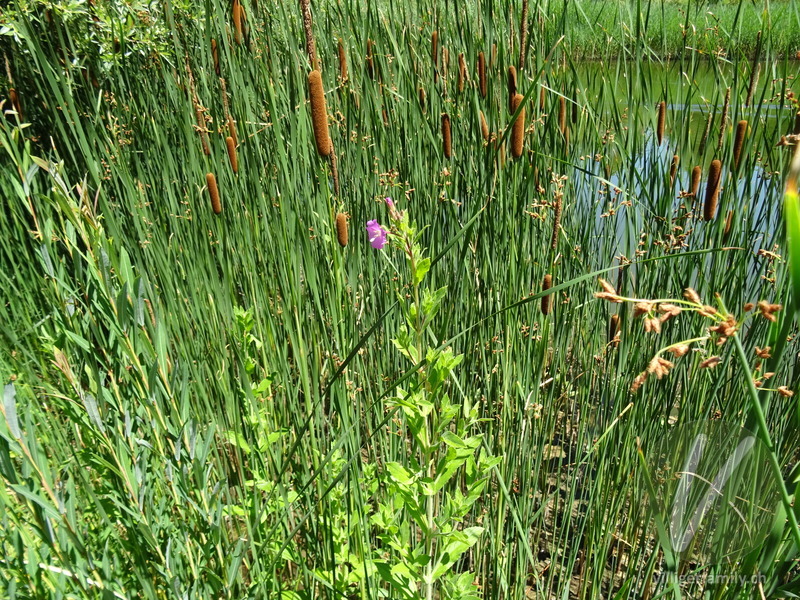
{"points": [[389, 203], [376, 233]]}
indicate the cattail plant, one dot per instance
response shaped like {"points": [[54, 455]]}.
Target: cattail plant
{"points": [[559, 200], [547, 283], [213, 192], [422, 99], [697, 173], [541, 98], [613, 327], [237, 21], [512, 87], [443, 66], [712, 190], [234, 159], [232, 129], [723, 123], [518, 127], [482, 74], [484, 127], [662, 119], [319, 113], [673, 169], [215, 56], [311, 48], [341, 229], [523, 34], [462, 72], [435, 51], [738, 142], [342, 62], [754, 74], [493, 59], [14, 98], [370, 60], [562, 115], [447, 142]]}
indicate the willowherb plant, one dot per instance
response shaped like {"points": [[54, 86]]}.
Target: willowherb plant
{"points": [[447, 469]]}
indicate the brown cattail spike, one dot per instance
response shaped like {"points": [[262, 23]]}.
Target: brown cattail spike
{"points": [[542, 95], [435, 50], [562, 114], [213, 192], [484, 127], [237, 21], [447, 141], [673, 169], [342, 61], [311, 47], [232, 154], [14, 98], [512, 87], [697, 173], [712, 190], [613, 328], [546, 285], [518, 127], [523, 34], [215, 56], [232, 130], [319, 113], [738, 142], [724, 122], [370, 61], [422, 99], [482, 74], [341, 229], [662, 120], [462, 72]]}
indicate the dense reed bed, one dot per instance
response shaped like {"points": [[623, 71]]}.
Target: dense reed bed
{"points": [[203, 345]]}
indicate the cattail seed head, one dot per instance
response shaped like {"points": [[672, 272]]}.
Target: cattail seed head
{"points": [[213, 192], [14, 98], [446, 139], [738, 142], [341, 229], [422, 99], [462, 72], [712, 190], [556, 220], [484, 127], [673, 169], [512, 86], [445, 61], [613, 327], [724, 122], [482, 74], [232, 129], [562, 114], [547, 283], [319, 113], [435, 49], [215, 56], [370, 61], [541, 98], [237, 21], [342, 61], [234, 159], [518, 128], [662, 120], [697, 173]]}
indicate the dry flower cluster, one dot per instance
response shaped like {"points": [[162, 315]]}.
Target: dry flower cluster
{"points": [[655, 313]]}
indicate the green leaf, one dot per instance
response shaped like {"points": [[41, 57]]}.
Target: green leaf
{"points": [[456, 544], [399, 473], [791, 211], [421, 270], [10, 410]]}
